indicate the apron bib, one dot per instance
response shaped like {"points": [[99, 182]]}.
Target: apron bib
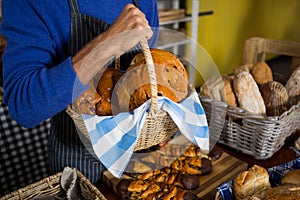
{"points": [[65, 147]]}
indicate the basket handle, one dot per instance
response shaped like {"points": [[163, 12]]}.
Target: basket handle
{"points": [[151, 74]]}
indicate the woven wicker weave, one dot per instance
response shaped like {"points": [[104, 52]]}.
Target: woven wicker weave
{"points": [[158, 127], [51, 186], [254, 135]]}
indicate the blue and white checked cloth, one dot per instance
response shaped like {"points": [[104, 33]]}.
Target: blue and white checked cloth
{"points": [[114, 137]]}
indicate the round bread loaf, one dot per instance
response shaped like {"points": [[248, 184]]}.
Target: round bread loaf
{"points": [[160, 57], [261, 73], [105, 88], [133, 89], [292, 177], [252, 183], [275, 97]]}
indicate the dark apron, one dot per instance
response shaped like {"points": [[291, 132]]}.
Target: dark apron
{"points": [[65, 147]]}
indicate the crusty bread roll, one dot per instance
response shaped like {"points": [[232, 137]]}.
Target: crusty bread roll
{"points": [[284, 192], [252, 183], [261, 73], [293, 86], [85, 103], [219, 88], [248, 94], [292, 177], [160, 57], [133, 89], [105, 87], [275, 97]]}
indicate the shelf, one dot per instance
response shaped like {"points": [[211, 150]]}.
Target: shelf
{"points": [[186, 19], [170, 38], [165, 46]]}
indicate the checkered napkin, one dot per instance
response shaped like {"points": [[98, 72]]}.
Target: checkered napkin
{"points": [[114, 137], [226, 191]]}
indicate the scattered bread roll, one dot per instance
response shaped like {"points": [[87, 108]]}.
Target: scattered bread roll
{"points": [[293, 86], [252, 183], [248, 94], [261, 73], [275, 97], [284, 192], [292, 177], [219, 88]]}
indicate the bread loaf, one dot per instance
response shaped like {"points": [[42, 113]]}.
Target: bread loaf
{"points": [[275, 97], [105, 88], [248, 94], [261, 73], [292, 177], [219, 88], [85, 103], [252, 183], [293, 86], [133, 89]]}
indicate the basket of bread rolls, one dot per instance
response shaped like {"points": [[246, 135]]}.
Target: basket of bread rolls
{"points": [[259, 183], [142, 81], [260, 111]]}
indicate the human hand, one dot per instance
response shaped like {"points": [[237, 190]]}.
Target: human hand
{"points": [[128, 29]]}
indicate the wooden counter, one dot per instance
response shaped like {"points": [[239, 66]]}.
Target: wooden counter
{"points": [[285, 154]]}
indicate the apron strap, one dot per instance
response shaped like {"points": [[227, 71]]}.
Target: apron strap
{"points": [[136, 3], [74, 8]]}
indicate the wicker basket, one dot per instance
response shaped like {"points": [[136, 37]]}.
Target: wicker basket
{"points": [[158, 126], [51, 186], [255, 135]]}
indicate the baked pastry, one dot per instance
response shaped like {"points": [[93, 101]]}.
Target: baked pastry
{"points": [[292, 177], [248, 94], [86, 102], [261, 73], [275, 97], [105, 88], [133, 89], [293, 86], [252, 183], [284, 192], [219, 88]]}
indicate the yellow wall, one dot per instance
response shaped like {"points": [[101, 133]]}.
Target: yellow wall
{"points": [[233, 21]]}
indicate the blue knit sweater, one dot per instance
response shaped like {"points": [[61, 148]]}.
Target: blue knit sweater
{"points": [[38, 74]]}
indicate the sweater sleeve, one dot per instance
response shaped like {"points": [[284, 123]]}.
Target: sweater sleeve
{"points": [[37, 85]]}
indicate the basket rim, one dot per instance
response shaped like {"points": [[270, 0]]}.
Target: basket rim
{"points": [[50, 181], [246, 114]]}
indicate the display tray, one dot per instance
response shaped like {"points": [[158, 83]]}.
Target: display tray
{"points": [[223, 169]]}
